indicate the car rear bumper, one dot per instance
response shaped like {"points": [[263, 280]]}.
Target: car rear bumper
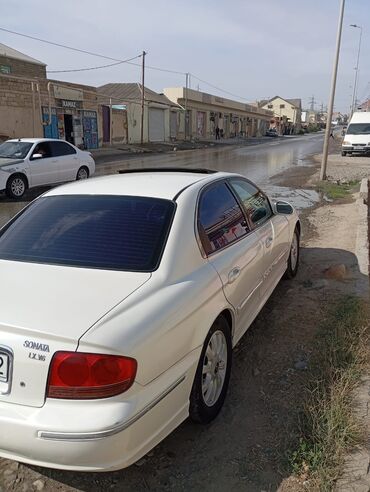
{"points": [[102, 435]]}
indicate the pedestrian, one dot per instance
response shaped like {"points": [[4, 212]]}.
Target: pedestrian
{"points": [[217, 133], [331, 134]]}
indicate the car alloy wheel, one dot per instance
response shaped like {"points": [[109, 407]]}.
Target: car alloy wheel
{"points": [[293, 260], [16, 186], [214, 368], [83, 173], [294, 252], [213, 373]]}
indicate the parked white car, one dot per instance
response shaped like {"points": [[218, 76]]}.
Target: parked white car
{"points": [[29, 162], [357, 137], [124, 298]]}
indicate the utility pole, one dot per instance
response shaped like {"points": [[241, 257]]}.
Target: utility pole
{"points": [[142, 98], [186, 105], [332, 95], [354, 96]]}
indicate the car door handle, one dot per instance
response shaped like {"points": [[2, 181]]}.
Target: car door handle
{"points": [[233, 275], [268, 242]]}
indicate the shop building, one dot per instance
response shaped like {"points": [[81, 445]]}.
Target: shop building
{"points": [[202, 113], [160, 114], [33, 106]]}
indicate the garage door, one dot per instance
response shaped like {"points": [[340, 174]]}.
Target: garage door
{"points": [[156, 125]]}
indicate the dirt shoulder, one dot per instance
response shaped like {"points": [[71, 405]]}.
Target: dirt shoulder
{"points": [[247, 447]]}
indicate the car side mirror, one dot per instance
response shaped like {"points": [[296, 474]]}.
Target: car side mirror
{"points": [[37, 156], [258, 214], [284, 208]]}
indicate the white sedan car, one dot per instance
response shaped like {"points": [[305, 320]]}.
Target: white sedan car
{"points": [[29, 162], [124, 298]]}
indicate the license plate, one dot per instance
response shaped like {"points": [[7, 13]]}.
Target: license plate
{"points": [[359, 148], [4, 367]]}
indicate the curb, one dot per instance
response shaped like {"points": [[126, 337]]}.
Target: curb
{"points": [[362, 235], [356, 470]]}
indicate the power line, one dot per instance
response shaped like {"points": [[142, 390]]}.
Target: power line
{"points": [[119, 61], [86, 52], [218, 88], [95, 68]]}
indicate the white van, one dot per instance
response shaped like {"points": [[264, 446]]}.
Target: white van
{"points": [[357, 137]]}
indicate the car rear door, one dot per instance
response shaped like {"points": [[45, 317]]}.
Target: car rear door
{"points": [[43, 169], [272, 230], [233, 250], [67, 160]]}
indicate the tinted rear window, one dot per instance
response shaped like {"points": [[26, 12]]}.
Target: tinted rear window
{"points": [[108, 232]]}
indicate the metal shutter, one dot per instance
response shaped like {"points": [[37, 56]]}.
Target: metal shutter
{"points": [[156, 125]]}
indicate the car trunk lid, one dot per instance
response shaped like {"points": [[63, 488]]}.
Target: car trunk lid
{"points": [[47, 308]]}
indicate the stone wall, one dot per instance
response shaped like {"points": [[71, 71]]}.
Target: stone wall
{"points": [[23, 69]]}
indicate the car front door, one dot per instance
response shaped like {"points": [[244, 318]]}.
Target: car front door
{"points": [[272, 230], [233, 250], [43, 167], [67, 160]]}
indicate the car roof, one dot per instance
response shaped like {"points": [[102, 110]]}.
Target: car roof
{"points": [[156, 184], [33, 140]]}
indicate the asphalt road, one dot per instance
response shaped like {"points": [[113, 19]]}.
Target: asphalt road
{"points": [[260, 163]]}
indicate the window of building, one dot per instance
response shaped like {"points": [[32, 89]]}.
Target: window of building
{"points": [[282, 106], [270, 106], [5, 69], [221, 220]]}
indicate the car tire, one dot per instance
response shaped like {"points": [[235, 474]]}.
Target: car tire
{"points": [[213, 374], [293, 260], [344, 154], [16, 186], [82, 173]]}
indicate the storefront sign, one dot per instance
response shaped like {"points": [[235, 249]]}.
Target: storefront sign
{"points": [[5, 69], [69, 104], [61, 92], [89, 114]]}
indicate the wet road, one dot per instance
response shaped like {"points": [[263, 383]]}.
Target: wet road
{"points": [[259, 163]]}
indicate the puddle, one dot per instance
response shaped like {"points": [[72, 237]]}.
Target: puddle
{"points": [[299, 198]]}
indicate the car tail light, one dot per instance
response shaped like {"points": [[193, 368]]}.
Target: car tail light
{"points": [[75, 375]]}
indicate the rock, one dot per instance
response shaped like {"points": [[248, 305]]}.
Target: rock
{"points": [[301, 365], [317, 284], [336, 272], [38, 485], [7, 473], [140, 462]]}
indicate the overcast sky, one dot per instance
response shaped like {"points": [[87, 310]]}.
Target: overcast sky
{"points": [[252, 48]]}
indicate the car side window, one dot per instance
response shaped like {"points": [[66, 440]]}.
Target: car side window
{"points": [[43, 149], [256, 204], [220, 218], [61, 148]]}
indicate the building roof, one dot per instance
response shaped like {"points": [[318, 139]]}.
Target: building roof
{"points": [[126, 92], [12, 53], [294, 102]]}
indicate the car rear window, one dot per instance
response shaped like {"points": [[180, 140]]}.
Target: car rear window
{"points": [[93, 231]]}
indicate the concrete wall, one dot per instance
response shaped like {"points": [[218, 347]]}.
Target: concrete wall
{"points": [[23, 68]]}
